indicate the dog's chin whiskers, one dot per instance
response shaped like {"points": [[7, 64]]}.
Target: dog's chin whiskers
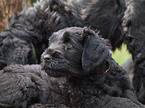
{"points": [[55, 73], [53, 64]]}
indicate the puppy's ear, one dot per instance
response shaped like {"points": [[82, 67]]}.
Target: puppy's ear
{"points": [[95, 52]]}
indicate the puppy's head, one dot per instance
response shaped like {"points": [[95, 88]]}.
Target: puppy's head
{"points": [[75, 51]]}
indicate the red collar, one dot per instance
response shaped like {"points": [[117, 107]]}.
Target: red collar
{"points": [[107, 70]]}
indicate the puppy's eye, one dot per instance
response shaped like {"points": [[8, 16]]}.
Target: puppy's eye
{"points": [[68, 46], [56, 54]]}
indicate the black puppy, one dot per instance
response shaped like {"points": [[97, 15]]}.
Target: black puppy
{"points": [[77, 60], [26, 35], [134, 25]]}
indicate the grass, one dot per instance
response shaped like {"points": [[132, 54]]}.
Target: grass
{"points": [[121, 55]]}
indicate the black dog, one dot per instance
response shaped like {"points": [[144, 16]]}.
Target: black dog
{"points": [[26, 35], [77, 60], [134, 24]]}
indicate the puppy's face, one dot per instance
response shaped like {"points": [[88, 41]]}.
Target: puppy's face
{"points": [[63, 56], [75, 52]]}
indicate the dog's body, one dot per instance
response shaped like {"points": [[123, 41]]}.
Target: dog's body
{"points": [[22, 86]]}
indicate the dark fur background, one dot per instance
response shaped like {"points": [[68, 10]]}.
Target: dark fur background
{"points": [[25, 37]]}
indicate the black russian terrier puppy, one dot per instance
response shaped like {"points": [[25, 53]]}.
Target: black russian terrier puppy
{"points": [[134, 24], [78, 60], [76, 64], [26, 35]]}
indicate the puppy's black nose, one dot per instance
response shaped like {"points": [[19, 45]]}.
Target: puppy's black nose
{"points": [[47, 57]]}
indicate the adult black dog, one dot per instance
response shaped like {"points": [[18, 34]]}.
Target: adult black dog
{"points": [[77, 59], [26, 35], [134, 24], [75, 62]]}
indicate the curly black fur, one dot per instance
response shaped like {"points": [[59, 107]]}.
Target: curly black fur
{"points": [[25, 37], [77, 59], [75, 62], [106, 16], [22, 86]]}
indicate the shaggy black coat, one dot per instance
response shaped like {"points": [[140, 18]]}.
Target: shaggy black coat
{"points": [[26, 35], [134, 27], [75, 62], [22, 86]]}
